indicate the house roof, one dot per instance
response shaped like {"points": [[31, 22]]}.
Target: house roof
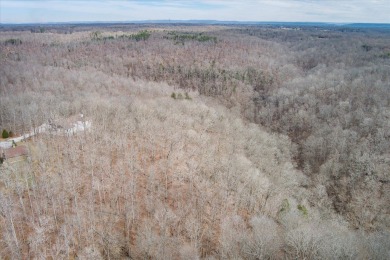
{"points": [[68, 123], [15, 152]]}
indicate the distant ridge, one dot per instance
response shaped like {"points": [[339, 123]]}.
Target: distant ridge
{"points": [[211, 22]]}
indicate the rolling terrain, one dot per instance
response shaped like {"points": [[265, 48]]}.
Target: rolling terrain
{"points": [[224, 141]]}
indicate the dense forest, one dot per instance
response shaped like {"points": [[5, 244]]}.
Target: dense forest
{"points": [[206, 142]]}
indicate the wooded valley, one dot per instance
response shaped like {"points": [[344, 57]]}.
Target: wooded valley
{"points": [[206, 142]]}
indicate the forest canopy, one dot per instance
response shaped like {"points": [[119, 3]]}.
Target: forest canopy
{"points": [[207, 142]]}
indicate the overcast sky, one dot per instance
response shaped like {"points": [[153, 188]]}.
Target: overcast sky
{"points": [[340, 11]]}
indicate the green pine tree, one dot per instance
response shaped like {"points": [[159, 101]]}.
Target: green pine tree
{"points": [[5, 134]]}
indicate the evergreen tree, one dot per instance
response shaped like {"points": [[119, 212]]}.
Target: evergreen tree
{"points": [[5, 134]]}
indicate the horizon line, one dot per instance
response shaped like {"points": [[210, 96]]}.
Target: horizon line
{"points": [[200, 21]]}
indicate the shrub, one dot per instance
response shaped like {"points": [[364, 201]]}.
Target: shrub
{"points": [[181, 38], [96, 35], [367, 47], [108, 38], [187, 96], [142, 35], [13, 42], [285, 206], [5, 134], [173, 95], [302, 209]]}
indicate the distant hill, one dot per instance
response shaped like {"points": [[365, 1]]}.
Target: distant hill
{"points": [[210, 22]]}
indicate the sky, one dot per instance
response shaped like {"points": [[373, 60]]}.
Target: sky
{"points": [[337, 11]]}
